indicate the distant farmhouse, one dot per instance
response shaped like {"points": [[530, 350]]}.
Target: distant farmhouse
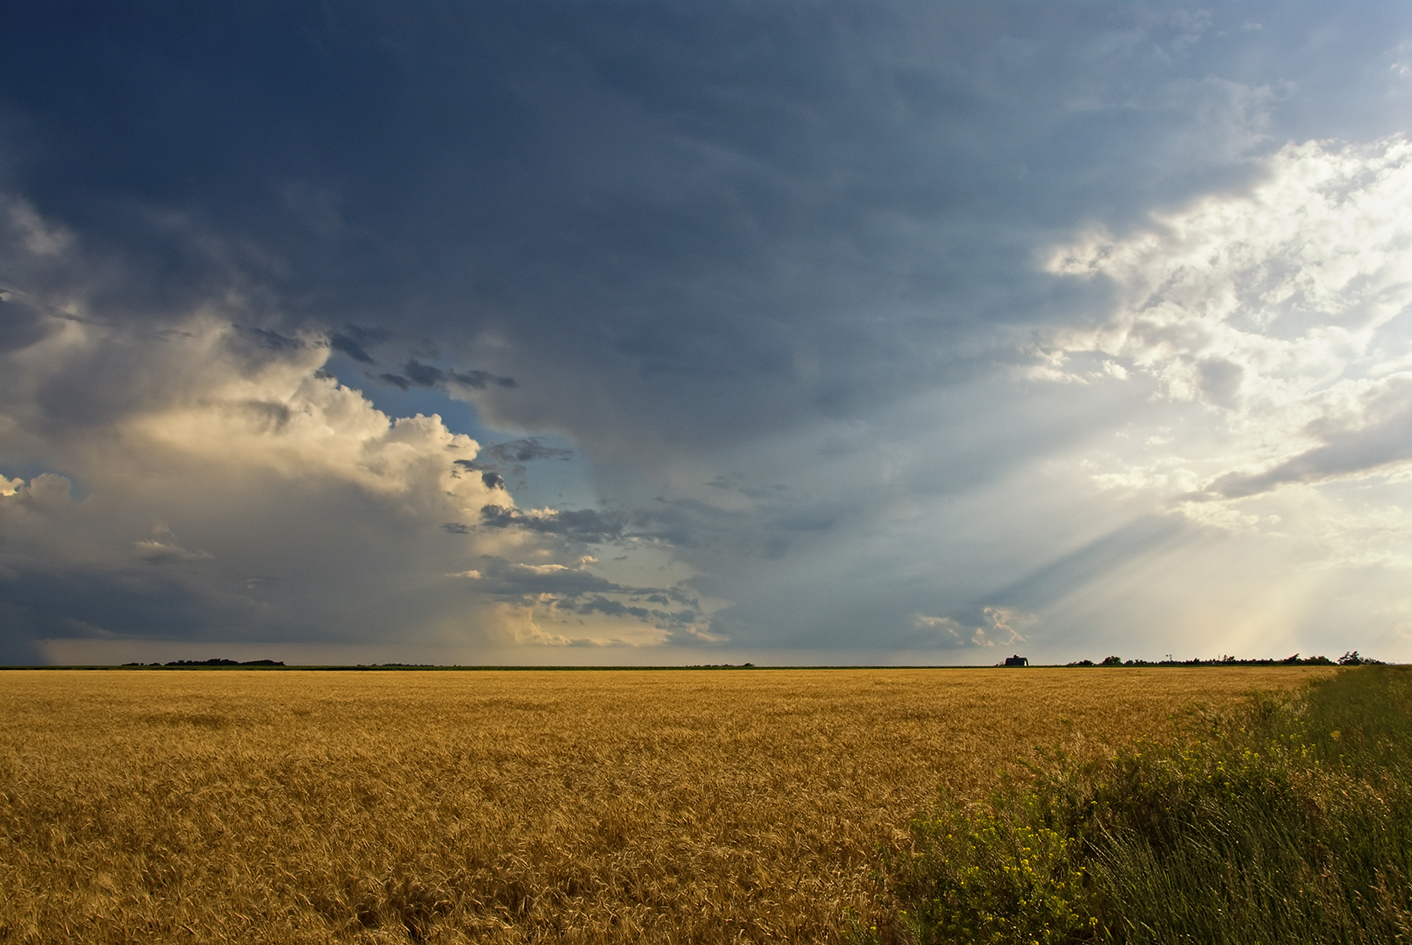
{"points": [[1016, 661]]}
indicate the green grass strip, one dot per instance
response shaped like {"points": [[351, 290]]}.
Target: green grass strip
{"points": [[1287, 821]]}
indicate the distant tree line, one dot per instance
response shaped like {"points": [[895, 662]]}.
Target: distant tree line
{"points": [[213, 662], [1351, 658], [1274, 822]]}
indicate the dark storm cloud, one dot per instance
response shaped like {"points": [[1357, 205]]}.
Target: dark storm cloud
{"points": [[613, 608], [577, 591], [516, 579], [423, 375], [525, 451], [768, 528], [680, 524], [345, 345], [824, 208], [354, 342], [686, 238], [22, 323], [417, 374], [507, 578], [42, 602], [583, 525], [480, 380], [269, 338], [498, 459], [652, 615]]}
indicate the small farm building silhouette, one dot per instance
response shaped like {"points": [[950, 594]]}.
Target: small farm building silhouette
{"points": [[1016, 661]]}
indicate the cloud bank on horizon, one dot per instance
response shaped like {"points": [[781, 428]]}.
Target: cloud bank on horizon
{"points": [[658, 332]]}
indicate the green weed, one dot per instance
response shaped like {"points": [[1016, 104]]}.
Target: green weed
{"points": [[1287, 821]]}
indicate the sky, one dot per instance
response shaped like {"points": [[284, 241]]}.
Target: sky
{"points": [[690, 333]]}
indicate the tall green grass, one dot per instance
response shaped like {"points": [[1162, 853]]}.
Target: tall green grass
{"points": [[1289, 820]]}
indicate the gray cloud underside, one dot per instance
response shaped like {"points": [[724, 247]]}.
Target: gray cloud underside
{"points": [[681, 524], [583, 525], [823, 209], [416, 374], [524, 451], [585, 593], [346, 345], [779, 274], [1384, 440]]}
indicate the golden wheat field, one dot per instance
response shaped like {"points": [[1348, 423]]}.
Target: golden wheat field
{"points": [[510, 806]]}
